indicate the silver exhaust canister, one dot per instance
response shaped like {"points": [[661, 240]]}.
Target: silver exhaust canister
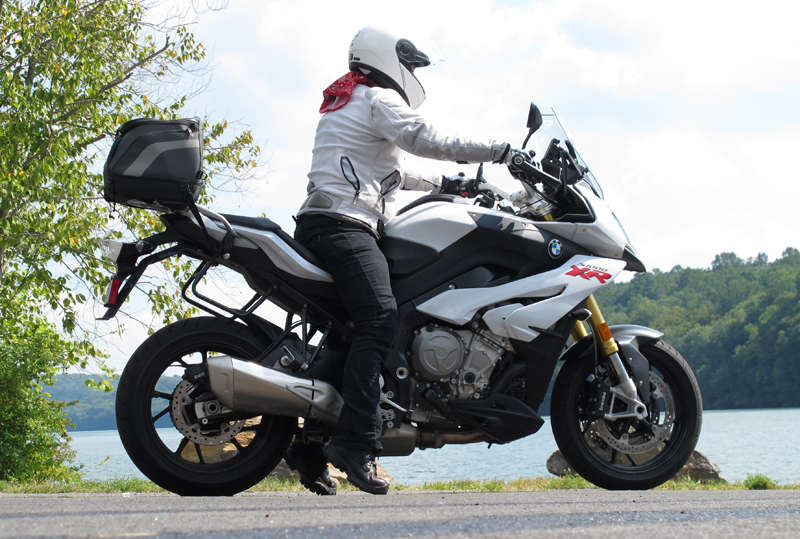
{"points": [[242, 385]]}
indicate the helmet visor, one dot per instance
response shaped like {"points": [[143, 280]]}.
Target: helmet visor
{"points": [[417, 51]]}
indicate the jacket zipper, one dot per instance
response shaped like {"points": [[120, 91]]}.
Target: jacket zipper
{"points": [[357, 184]]}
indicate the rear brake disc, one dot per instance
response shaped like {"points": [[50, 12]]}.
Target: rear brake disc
{"points": [[184, 415]]}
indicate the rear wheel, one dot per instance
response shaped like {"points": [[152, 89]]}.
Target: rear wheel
{"points": [[176, 432], [629, 453]]}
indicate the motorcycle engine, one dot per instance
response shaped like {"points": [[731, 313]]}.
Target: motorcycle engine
{"points": [[461, 360]]}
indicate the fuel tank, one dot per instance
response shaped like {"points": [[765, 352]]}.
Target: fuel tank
{"points": [[437, 241]]}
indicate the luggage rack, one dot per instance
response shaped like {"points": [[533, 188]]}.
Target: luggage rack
{"points": [[222, 252]]}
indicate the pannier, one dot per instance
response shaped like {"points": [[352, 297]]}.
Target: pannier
{"points": [[155, 164]]}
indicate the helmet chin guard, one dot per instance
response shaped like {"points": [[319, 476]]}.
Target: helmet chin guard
{"points": [[387, 58]]}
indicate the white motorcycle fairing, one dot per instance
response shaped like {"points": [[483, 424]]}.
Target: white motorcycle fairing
{"points": [[559, 289]]}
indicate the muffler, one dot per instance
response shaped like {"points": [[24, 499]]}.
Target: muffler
{"points": [[249, 387]]}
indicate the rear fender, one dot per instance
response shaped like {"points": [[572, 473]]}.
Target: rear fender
{"points": [[130, 269], [263, 326]]}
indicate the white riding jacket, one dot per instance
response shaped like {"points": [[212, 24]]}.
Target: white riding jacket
{"points": [[358, 151]]}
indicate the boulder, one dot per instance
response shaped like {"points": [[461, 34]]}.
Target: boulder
{"points": [[558, 466], [282, 471], [699, 468]]}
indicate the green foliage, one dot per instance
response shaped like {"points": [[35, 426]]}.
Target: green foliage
{"points": [[33, 428], [71, 72], [738, 325], [759, 482]]}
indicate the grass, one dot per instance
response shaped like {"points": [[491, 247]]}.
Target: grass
{"points": [[570, 482], [124, 484], [759, 482]]}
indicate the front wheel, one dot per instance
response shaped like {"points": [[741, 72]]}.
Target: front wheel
{"points": [[175, 430], [628, 454]]}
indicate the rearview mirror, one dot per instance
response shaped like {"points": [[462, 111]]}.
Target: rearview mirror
{"points": [[534, 118], [534, 123]]}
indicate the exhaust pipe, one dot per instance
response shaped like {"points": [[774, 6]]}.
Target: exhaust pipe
{"points": [[245, 386]]}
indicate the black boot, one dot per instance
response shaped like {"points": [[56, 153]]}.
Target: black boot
{"points": [[359, 467], [309, 461]]}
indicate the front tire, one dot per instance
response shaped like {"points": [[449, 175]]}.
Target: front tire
{"points": [[628, 454], [215, 460]]}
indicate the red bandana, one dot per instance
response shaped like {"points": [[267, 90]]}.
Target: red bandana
{"points": [[338, 94]]}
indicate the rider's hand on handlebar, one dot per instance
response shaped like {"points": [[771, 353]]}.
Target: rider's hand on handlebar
{"points": [[509, 158], [459, 185]]}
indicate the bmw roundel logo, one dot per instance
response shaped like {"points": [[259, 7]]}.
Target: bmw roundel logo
{"points": [[554, 248]]}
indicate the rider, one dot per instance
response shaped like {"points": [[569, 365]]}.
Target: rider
{"points": [[369, 121]]}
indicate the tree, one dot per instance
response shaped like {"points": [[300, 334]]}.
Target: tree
{"points": [[726, 260], [71, 72], [33, 443]]}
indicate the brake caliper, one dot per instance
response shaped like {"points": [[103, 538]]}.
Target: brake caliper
{"points": [[599, 399]]}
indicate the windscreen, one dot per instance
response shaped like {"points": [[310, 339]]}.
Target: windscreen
{"points": [[553, 128]]}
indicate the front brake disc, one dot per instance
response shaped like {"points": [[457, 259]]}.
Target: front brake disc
{"points": [[659, 430]]}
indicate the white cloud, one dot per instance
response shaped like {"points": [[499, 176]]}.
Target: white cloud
{"points": [[652, 79]]}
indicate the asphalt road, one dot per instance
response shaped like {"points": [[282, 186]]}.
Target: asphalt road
{"points": [[552, 514]]}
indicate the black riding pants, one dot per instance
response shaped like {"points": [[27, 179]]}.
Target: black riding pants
{"points": [[349, 252]]}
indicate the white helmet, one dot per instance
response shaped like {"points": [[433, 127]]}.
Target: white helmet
{"points": [[387, 59]]}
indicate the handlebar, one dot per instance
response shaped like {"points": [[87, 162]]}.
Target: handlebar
{"points": [[541, 176]]}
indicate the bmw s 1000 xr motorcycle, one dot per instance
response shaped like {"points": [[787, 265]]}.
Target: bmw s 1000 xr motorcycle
{"points": [[494, 296]]}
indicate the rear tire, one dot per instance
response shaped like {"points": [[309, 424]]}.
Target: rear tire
{"points": [[223, 459], [629, 454]]}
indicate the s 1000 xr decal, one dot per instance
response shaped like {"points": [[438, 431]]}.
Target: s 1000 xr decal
{"points": [[587, 272]]}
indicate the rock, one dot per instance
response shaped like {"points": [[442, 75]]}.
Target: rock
{"points": [[699, 468], [217, 453], [282, 471], [557, 465], [212, 454]]}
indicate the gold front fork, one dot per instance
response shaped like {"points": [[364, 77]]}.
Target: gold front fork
{"points": [[610, 349], [599, 328]]}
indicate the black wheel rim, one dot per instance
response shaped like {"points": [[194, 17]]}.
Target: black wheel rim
{"points": [[208, 454], [637, 449]]}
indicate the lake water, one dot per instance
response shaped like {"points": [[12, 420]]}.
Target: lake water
{"points": [[738, 441]]}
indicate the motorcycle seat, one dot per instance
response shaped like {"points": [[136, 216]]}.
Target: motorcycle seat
{"points": [[262, 223]]}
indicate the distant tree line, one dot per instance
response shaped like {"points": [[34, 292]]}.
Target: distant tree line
{"points": [[737, 324], [89, 409]]}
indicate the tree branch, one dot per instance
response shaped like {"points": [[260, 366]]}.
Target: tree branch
{"points": [[134, 67], [113, 84]]}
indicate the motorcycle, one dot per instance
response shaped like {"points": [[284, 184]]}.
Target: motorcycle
{"points": [[494, 297]]}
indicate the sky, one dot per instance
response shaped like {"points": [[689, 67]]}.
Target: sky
{"points": [[686, 111]]}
